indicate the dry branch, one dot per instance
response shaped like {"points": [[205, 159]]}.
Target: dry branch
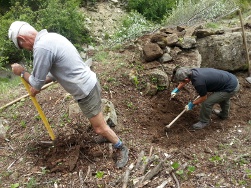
{"points": [[139, 160], [163, 184], [16, 160], [126, 177], [87, 173], [149, 175], [146, 162], [176, 180], [80, 174], [24, 96]]}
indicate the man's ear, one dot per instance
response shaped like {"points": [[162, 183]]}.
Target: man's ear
{"points": [[20, 38]]}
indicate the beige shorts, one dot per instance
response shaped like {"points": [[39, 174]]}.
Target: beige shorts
{"points": [[91, 105]]}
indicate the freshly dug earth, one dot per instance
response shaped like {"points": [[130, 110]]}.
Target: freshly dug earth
{"points": [[217, 156]]}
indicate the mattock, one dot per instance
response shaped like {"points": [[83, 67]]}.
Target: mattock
{"points": [[170, 124]]}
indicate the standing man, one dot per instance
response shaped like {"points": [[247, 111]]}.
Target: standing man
{"points": [[55, 58], [222, 83]]}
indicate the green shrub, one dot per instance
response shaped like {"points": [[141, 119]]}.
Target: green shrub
{"points": [[132, 26], [59, 16], [153, 10], [244, 4], [189, 13], [65, 19], [4, 6]]}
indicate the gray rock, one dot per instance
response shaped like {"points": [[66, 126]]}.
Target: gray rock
{"points": [[152, 51], [224, 52], [3, 129], [109, 113]]}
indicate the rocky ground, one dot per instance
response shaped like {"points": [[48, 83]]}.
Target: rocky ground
{"points": [[217, 156]]}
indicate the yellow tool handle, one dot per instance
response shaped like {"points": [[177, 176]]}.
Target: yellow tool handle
{"points": [[39, 109]]}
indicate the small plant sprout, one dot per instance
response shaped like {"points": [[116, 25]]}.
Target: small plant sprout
{"points": [[135, 81], [216, 159], [99, 175], [190, 169], [37, 117], [129, 104], [23, 123], [32, 182], [175, 165], [44, 171], [15, 185]]}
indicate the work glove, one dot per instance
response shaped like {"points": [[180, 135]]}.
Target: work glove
{"points": [[174, 92], [189, 106]]}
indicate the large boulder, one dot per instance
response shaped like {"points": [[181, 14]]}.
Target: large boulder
{"points": [[224, 52]]}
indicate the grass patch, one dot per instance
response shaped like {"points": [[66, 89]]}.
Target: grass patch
{"points": [[6, 84], [101, 56]]}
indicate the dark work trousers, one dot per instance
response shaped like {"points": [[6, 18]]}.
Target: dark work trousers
{"points": [[221, 98]]}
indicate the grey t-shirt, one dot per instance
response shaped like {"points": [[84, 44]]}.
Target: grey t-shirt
{"points": [[55, 55]]}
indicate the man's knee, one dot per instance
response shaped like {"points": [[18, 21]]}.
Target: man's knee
{"points": [[101, 129]]}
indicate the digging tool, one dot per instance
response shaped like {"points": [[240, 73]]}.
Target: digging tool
{"points": [[245, 46], [39, 109], [170, 124]]}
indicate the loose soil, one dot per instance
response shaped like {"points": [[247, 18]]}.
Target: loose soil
{"points": [[217, 156], [220, 153]]}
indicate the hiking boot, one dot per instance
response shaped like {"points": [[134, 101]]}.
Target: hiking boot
{"points": [[200, 125], [218, 113], [122, 156], [100, 139]]}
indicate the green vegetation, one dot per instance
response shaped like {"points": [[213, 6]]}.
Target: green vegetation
{"points": [[132, 26], [189, 12], [151, 9], [15, 185], [7, 83], [99, 174], [59, 16], [183, 172]]}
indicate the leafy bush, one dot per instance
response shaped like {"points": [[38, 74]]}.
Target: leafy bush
{"points": [[59, 16], [191, 13], [244, 4], [153, 10], [65, 19], [133, 25]]}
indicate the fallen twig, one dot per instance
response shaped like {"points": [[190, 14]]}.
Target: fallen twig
{"points": [[176, 180], [149, 175], [88, 172], [146, 162], [163, 184], [80, 175], [139, 160], [126, 177], [16, 160], [24, 96], [87, 158]]}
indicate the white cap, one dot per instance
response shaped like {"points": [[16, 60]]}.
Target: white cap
{"points": [[14, 30]]}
